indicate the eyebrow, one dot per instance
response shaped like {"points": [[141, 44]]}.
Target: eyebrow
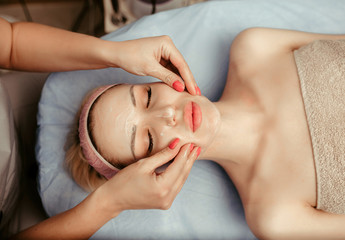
{"points": [[134, 128]]}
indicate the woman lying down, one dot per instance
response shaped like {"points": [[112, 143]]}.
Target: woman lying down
{"points": [[278, 128]]}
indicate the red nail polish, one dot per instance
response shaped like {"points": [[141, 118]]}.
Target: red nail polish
{"points": [[174, 143], [191, 147], [198, 152], [198, 91], [178, 86]]}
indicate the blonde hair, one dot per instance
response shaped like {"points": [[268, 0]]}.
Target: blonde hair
{"points": [[76, 163]]}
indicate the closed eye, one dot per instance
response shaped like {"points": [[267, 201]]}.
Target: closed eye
{"points": [[149, 92], [149, 150]]}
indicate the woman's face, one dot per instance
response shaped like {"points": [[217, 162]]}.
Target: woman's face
{"points": [[135, 121]]}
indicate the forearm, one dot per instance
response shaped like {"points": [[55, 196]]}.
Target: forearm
{"points": [[35, 47], [80, 222]]}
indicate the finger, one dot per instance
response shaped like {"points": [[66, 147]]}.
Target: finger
{"points": [[181, 65], [187, 168], [162, 157], [168, 65], [181, 178], [169, 77], [176, 167]]}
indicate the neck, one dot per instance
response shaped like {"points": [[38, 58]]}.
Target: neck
{"points": [[237, 137]]}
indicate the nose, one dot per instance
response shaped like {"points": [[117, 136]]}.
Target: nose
{"points": [[168, 115]]}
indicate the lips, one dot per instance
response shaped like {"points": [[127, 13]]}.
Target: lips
{"points": [[192, 116], [197, 116]]}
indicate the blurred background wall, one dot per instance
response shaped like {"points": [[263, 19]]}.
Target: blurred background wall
{"points": [[93, 17]]}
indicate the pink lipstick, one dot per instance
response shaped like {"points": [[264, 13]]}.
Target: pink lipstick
{"points": [[197, 116], [192, 116]]}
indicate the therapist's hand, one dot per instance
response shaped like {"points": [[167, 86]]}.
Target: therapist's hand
{"points": [[138, 186], [55, 50], [157, 57]]}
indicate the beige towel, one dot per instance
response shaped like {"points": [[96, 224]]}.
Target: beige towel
{"points": [[321, 69]]}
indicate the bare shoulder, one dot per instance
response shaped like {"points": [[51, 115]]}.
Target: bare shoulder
{"points": [[258, 41], [253, 50], [271, 220], [248, 39], [294, 221]]}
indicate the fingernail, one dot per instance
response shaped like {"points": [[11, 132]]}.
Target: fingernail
{"points": [[174, 143], [198, 152], [178, 86], [197, 90], [191, 147]]}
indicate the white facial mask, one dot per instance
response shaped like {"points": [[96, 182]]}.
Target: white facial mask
{"points": [[162, 133], [128, 118], [167, 113]]}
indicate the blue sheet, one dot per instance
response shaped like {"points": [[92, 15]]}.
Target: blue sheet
{"points": [[208, 206]]}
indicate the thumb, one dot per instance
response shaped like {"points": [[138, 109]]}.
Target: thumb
{"points": [[169, 77], [162, 157]]}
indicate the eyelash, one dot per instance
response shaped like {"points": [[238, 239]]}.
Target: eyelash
{"points": [[149, 92], [149, 150]]}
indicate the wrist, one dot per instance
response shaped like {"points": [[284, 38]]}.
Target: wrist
{"points": [[104, 204], [109, 53]]}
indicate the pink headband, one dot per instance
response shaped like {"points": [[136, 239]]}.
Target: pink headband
{"points": [[93, 157]]}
